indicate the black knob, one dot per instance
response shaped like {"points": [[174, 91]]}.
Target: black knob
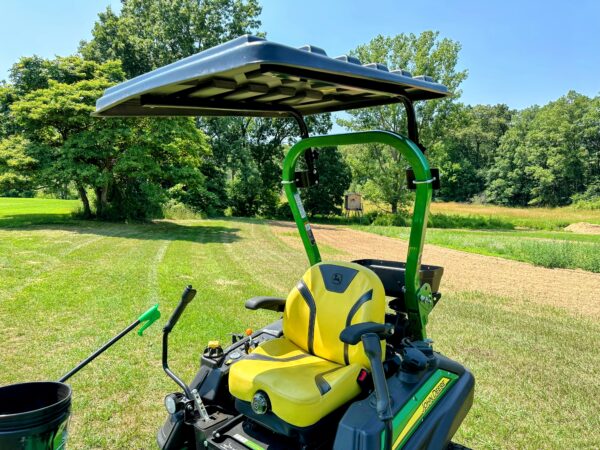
{"points": [[413, 360]]}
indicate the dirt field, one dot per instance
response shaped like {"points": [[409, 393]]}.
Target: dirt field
{"points": [[584, 227], [571, 290]]}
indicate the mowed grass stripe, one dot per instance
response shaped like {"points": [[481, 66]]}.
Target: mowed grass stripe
{"points": [[27, 254], [85, 289], [273, 263], [33, 251], [75, 308], [197, 258]]}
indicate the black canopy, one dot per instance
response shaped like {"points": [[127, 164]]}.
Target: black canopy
{"points": [[251, 76]]}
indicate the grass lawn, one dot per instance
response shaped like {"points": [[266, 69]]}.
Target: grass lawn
{"points": [[17, 212], [67, 286], [553, 249]]}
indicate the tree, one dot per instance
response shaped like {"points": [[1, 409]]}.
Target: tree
{"points": [[15, 167], [378, 174], [547, 155], [556, 152], [129, 164], [147, 34], [335, 177], [591, 142], [7, 96], [249, 152], [506, 181], [468, 148], [427, 54]]}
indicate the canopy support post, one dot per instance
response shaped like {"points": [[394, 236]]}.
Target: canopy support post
{"points": [[411, 122], [311, 177]]}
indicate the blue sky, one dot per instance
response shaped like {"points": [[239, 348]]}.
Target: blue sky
{"points": [[517, 52]]}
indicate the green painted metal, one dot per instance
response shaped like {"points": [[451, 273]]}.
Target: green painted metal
{"points": [[150, 316], [417, 310], [413, 413]]}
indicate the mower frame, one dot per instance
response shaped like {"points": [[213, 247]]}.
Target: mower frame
{"points": [[428, 395]]}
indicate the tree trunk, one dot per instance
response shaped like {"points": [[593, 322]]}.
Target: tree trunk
{"points": [[87, 211], [394, 207], [101, 200]]}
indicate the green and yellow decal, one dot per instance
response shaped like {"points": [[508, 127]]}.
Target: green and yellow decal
{"points": [[416, 409]]}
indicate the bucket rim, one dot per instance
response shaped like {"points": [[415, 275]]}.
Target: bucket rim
{"points": [[59, 405]]}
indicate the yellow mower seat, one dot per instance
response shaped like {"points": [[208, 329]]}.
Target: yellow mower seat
{"points": [[309, 373]]}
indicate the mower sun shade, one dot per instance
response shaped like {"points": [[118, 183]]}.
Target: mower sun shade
{"points": [[250, 76]]}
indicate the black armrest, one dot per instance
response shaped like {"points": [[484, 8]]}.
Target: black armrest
{"points": [[263, 302], [353, 334]]}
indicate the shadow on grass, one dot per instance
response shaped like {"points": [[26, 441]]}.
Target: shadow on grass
{"points": [[157, 230]]}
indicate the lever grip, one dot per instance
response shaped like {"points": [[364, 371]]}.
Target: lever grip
{"points": [[150, 316], [372, 346], [188, 295]]}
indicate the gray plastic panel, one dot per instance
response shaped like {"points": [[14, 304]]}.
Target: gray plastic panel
{"points": [[254, 77]]}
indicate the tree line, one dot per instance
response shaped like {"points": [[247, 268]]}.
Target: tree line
{"points": [[539, 156], [133, 167]]}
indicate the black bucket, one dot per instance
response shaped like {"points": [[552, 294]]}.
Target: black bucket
{"points": [[34, 416]]}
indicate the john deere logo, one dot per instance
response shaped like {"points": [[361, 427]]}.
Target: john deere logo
{"points": [[337, 278]]}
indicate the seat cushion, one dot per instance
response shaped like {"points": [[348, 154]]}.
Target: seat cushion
{"points": [[302, 388], [330, 297]]}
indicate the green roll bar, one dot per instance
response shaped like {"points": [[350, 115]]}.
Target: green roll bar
{"points": [[417, 298]]}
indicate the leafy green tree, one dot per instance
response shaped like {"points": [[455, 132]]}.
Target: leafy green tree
{"points": [[7, 96], [506, 180], [147, 34], [31, 73], [16, 167], [130, 164], [425, 54], [556, 154], [249, 152], [378, 174], [548, 154], [591, 143], [335, 177], [468, 148], [376, 167]]}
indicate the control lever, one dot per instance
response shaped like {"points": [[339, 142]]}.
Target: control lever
{"points": [[188, 295], [372, 345], [371, 335]]}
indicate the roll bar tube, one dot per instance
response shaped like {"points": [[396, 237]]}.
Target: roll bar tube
{"points": [[423, 181]]}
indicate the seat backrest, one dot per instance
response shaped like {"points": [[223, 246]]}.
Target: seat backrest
{"points": [[328, 298]]}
